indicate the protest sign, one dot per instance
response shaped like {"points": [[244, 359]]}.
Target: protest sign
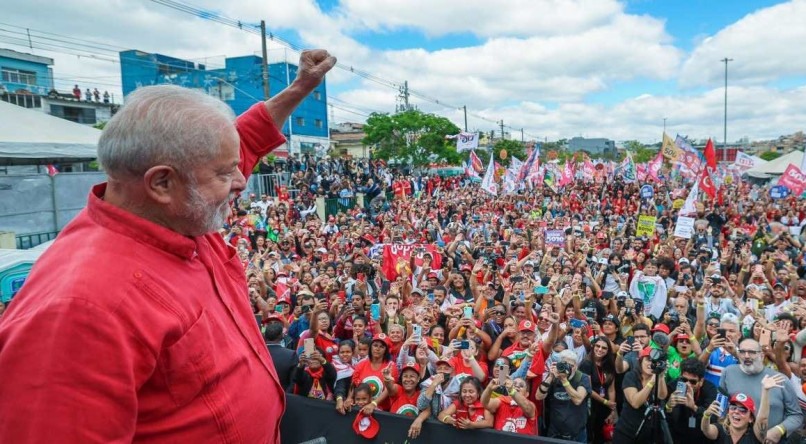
{"points": [[646, 226], [397, 257], [555, 238], [684, 227], [794, 179]]}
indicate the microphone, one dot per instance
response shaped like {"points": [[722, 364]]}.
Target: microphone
{"points": [[661, 339]]}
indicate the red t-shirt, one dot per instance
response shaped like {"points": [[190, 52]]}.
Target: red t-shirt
{"points": [[136, 342], [510, 418], [403, 404], [463, 411], [459, 367], [364, 373]]}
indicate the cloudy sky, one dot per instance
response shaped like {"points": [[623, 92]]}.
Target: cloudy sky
{"points": [[556, 68]]}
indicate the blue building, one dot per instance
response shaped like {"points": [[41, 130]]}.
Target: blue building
{"points": [[27, 80], [239, 84], [592, 146]]}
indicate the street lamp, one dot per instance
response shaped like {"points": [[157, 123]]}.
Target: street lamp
{"points": [[664, 125], [725, 127]]}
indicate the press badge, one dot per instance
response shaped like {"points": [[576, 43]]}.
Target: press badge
{"points": [[692, 422]]}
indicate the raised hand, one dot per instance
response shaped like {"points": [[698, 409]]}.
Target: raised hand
{"points": [[313, 65]]}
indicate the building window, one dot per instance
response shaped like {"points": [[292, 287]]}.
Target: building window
{"points": [[318, 123], [317, 95], [17, 76], [24, 100], [299, 121]]}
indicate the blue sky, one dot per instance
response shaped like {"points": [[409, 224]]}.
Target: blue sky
{"points": [[557, 68]]}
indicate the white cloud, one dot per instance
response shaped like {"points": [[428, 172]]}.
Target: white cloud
{"points": [[764, 46]]}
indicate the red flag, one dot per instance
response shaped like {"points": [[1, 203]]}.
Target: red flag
{"points": [[475, 162], [52, 170], [710, 154], [283, 292], [707, 184]]}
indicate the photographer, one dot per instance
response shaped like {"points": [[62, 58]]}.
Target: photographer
{"points": [[566, 391], [639, 394]]}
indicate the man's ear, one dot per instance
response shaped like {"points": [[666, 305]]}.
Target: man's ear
{"points": [[162, 184]]}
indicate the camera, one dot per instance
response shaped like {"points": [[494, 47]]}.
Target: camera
{"points": [[564, 367], [657, 359]]}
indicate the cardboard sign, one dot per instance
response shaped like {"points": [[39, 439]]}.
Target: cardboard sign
{"points": [[647, 192], [779, 192], [678, 204], [646, 226], [555, 238], [684, 227], [397, 257], [794, 179]]}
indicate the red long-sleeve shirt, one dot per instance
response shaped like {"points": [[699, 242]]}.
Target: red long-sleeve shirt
{"points": [[126, 331]]}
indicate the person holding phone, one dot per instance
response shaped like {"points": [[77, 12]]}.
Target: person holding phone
{"points": [[684, 409], [721, 350], [513, 412], [314, 377]]}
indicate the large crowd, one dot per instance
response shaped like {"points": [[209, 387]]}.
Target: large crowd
{"points": [[537, 312]]}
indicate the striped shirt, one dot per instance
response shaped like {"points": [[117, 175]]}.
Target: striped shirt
{"points": [[717, 362]]}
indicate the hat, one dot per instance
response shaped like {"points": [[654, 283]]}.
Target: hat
{"points": [[383, 338], [611, 318], [443, 360], [716, 277], [417, 290], [528, 264], [366, 426], [601, 235], [411, 365], [322, 250], [744, 401], [526, 325], [466, 267], [780, 284], [644, 352], [273, 317], [683, 260], [622, 294], [433, 276], [680, 337], [305, 292], [662, 328]]}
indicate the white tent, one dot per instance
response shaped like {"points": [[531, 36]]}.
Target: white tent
{"points": [[30, 137], [777, 166]]}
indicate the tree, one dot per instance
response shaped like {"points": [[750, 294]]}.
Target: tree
{"points": [[640, 152], [512, 147], [412, 137], [770, 155]]}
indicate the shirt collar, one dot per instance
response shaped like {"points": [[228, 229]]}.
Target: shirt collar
{"points": [[142, 230]]}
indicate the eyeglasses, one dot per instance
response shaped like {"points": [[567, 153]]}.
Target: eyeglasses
{"points": [[713, 324], [738, 408], [689, 381], [749, 352]]}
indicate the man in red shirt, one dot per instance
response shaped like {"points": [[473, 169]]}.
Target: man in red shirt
{"points": [[135, 325]]}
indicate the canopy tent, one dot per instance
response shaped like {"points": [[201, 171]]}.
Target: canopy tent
{"points": [[776, 167], [30, 137]]}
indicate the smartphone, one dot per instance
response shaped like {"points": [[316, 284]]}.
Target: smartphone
{"points": [[464, 345], [503, 374], [361, 277], [630, 341], [723, 404], [431, 297], [308, 346], [541, 289], [278, 308], [752, 303], [680, 391], [522, 296], [516, 279], [794, 299], [468, 312], [259, 319], [765, 338], [375, 311], [577, 323], [722, 332], [417, 332]]}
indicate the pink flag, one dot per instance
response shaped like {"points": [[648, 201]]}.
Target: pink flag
{"points": [[654, 166], [52, 170]]}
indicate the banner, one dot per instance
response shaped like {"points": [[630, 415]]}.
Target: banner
{"points": [[397, 257], [555, 238], [488, 182], [628, 169], [668, 149], [684, 227], [744, 161], [315, 421], [465, 141], [690, 204], [794, 179], [645, 226]]}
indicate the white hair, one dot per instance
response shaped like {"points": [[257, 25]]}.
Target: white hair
{"points": [[163, 125], [729, 318], [568, 355]]}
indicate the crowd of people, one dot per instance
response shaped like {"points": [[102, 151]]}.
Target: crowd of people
{"points": [[486, 318]]}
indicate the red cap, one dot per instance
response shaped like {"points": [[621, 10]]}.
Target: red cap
{"points": [[744, 401], [273, 317], [466, 267], [383, 338], [411, 366], [433, 276], [366, 426], [661, 327], [644, 352], [443, 360], [526, 325], [681, 336]]}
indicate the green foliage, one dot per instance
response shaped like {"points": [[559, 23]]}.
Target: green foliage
{"points": [[99, 125], [770, 155], [640, 152], [411, 137]]}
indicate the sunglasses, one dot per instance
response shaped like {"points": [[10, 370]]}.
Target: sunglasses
{"points": [[713, 324], [738, 408], [689, 381]]}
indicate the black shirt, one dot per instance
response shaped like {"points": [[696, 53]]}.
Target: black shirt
{"points": [[682, 418], [630, 419], [724, 437], [565, 417]]}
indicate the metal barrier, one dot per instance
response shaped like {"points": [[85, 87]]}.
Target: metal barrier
{"points": [[268, 183], [27, 241], [335, 206]]}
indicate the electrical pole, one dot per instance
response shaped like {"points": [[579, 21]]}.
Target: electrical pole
{"points": [[502, 129], [404, 94], [725, 127], [265, 64], [664, 125], [465, 110], [522, 139]]}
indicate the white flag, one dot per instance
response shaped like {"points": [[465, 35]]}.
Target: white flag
{"points": [[465, 141], [744, 161], [488, 182], [689, 206]]}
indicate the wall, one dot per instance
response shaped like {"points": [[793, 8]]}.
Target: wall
{"points": [[40, 203], [43, 77]]}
